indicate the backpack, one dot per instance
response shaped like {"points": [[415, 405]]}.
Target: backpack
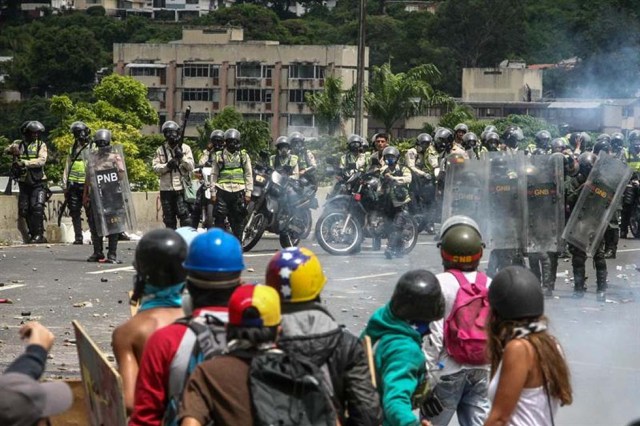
{"points": [[464, 329], [208, 339], [289, 390]]}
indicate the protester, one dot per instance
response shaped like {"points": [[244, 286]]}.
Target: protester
{"points": [[529, 375], [23, 400], [213, 264], [309, 330], [219, 390], [396, 330], [158, 287], [463, 368]]}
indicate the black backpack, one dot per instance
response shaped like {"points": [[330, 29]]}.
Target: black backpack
{"points": [[289, 390]]}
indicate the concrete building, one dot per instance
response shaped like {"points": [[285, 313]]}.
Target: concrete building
{"points": [[213, 68]]}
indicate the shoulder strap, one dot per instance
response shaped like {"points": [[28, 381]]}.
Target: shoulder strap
{"points": [[481, 279]]}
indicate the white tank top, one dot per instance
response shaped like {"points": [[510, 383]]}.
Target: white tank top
{"points": [[532, 408]]}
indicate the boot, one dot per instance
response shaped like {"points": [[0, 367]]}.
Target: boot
{"points": [[98, 253], [610, 253], [38, 239], [376, 244], [601, 279], [77, 230], [579, 287], [113, 247], [37, 230]]}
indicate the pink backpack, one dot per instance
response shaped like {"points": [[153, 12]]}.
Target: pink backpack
{"points": [[464, 329]]}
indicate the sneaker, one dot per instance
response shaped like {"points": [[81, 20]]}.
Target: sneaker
{"points": [[77, 242], [38, 239], [601, 296], [110, 259], [95, 257]]}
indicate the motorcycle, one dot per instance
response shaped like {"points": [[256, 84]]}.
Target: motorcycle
{"points": [[631, 198], [351, 216], [423, 193], [280, 205]]}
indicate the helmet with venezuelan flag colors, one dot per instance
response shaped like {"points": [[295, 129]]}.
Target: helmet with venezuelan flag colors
{"points": [[296, 274], [254, 306]]}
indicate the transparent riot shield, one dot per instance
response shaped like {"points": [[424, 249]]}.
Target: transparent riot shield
{"points": [[111, 201], [544, 221], [507, 198], [465, 191], [597, 203]]}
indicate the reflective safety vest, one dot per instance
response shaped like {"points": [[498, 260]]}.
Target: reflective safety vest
{"points": [[29, 153], [289, 164], [633, 161], [77, 171], [231, 166]]}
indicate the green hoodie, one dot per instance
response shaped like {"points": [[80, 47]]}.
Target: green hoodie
{"points": [[400, 364]]}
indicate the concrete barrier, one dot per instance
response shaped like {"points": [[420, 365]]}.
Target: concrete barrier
{"points": [[146, 204]]}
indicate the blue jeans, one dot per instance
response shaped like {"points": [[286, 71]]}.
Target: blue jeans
{"points": [[464, 393]]}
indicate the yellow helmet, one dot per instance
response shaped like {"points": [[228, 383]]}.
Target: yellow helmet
{"points": [[296, 274], [254, 306]]}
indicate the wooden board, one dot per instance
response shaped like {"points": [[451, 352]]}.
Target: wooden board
{"points": [[102, 383], [133, 308], [372, 365]]}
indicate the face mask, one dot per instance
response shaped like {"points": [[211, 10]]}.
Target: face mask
{"points": [[283, 152], [390, 161], [421, 327]]}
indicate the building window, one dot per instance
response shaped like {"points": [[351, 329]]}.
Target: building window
{"points": [[192, 1], [156, 95], [249, 95], [198, 118], [301, 120], [305, 71], [200, 70], [144, 72], [205, 95], [298, 95], [248, 70]]}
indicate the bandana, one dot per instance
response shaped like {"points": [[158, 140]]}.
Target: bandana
{"points": [[534, 327], [161, 297]]}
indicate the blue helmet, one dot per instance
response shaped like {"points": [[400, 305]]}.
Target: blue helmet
{"points": [[214, 251]]}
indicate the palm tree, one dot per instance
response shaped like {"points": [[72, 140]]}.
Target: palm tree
{"points": [[332, 106], [392, 97]]}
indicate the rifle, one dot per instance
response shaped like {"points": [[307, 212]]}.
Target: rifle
{"points": [[66, 199], [13, 175], [185, 119]]}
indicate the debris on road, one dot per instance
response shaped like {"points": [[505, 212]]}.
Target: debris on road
{"points": [[83, 305]]}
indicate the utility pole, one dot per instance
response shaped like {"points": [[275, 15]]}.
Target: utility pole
{"points": [[360, 70]]}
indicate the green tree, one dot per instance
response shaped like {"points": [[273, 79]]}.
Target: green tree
{"points": [[332, 106], [459, 114], [127, 95], [392, 97]]}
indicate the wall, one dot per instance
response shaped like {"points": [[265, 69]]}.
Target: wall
{"points": [[146, 204], [502, 84]]}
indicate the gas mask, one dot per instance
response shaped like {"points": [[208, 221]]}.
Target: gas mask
{"points": [[390, 160]]}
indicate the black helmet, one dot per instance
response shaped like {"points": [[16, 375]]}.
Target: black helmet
{"points": [[603, 137], [423, 141], [586, 162], [296, 139], [617, 141], [171, 131], [602, 145], [217, 139], [586, 141], [515, 293], [417, 297], [563, 129], [460, 243], [80, 130], [23, 127], [492, 140], [461, 127], [159, 257], [34, 127], [232, 139], [512, 135], [102, 138], [443, 139], [543, 137], [354, 143], [470, 140], [634, 136], [558, 145], [390, 155]]}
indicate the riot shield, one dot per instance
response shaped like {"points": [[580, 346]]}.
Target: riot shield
{"points": [[544, 221], [598, 201], [507, 199], [465, 191], [111, 201]]}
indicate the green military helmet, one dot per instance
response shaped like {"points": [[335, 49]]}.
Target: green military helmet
{"points": [[461, 244]]}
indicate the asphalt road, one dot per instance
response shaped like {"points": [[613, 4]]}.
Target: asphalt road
{"points": [[55, 285]]}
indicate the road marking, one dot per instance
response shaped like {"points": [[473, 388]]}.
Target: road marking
{"points": [[426, 243], [362, 277], [628, 250], [107, 271], [11, 286], [259, 254]]}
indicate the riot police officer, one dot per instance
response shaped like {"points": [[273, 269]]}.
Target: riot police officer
{"points": [[472, 146], [29, 158], [422, 160], [174, 163], [492, 141], [232, 183], [543, 140], [354, 159], [579, 257], [630, 198], [395, 180], [307, 163], [617, 146], [459, 131], [215, 144], [612, 234], [73, 178], [511, 137], [284, 161]]}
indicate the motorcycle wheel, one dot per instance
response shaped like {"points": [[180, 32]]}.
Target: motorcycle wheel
{"points": [[253, 230], [308, 221], [337, 235], [288, 239], [208, 216], [634, 222], [409, 234]]}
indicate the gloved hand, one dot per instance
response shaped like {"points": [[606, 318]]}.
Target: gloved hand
{"points": [[207, 164], [173, 164], [431, 406], [177, 153]]}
